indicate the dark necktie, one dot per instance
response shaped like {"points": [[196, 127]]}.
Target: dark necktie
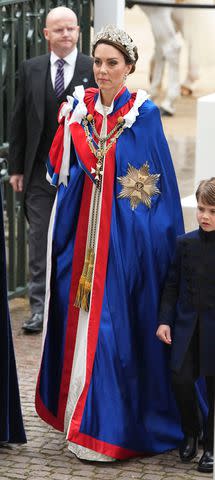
{"points": [[59, 79]]}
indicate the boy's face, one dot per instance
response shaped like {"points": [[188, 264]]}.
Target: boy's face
{"points": [[206, 216]]}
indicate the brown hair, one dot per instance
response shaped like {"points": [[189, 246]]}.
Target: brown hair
{"points": [[122, 49], [206, 191]]}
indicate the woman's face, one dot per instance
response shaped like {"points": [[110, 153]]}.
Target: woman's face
{"points": [[109, 69]]}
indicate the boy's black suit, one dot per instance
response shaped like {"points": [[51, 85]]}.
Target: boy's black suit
{"points": [[189, 297], [188, 307]]}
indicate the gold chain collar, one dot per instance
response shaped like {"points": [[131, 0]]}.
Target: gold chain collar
{"points": [[102, 148]]}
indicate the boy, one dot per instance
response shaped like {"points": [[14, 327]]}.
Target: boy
{"points": [[187, 322]]}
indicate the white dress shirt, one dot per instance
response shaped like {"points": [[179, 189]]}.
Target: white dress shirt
{"points": [[69, 67]]}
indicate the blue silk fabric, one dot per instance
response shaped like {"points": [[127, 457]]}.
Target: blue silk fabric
{"points": [[129, 401], [11, 424]]}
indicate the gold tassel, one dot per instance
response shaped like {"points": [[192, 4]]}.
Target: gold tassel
{"points": [[80, 291], [85, 299]]}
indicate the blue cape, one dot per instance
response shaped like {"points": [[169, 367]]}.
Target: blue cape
{"points": [[127, 407]]}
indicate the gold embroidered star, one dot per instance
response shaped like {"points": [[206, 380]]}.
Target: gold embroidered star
{"points": [[139, 186]]}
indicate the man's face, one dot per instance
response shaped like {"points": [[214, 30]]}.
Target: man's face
{"points": [[62, 34]]}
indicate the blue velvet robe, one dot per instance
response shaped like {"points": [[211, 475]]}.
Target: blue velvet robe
{"points": [[126, 407]]}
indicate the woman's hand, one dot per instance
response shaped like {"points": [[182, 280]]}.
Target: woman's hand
{"points": [[164, 334]]}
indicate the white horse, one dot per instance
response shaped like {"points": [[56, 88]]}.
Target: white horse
{"points": [[168, 29], [183, 24]]}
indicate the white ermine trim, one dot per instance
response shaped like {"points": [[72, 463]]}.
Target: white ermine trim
{"points": [[48, 270], [65, 112], [80, 110], [48, 178], [66, 107], [64, 171], [130, 117]]}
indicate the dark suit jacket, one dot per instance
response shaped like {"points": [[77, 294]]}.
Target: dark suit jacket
{"points": [[188, 298], [28, 116]]}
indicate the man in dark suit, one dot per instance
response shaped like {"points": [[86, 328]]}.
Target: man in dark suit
{"points": [[44, 83]]}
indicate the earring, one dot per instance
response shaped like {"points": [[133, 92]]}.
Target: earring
{"points": [[125, 77]]}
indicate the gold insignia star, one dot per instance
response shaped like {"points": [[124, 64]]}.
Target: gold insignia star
{"points": [[139, 186]]}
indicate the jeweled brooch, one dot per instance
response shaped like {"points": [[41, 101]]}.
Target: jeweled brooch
{"points": [[139, 185]]}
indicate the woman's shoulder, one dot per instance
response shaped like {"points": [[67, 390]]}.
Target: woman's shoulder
{"points": [[145, 104], [90, 92], [146, 107]]}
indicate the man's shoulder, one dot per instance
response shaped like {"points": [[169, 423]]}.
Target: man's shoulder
{"points": [[85, 57], [84, 60], [38, 60]]}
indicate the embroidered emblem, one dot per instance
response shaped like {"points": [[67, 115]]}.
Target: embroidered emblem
{"points": [[139, 186]]}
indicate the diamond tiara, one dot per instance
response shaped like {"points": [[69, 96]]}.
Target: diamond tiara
{"points": [[115, 34]]}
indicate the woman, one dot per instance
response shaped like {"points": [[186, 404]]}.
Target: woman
{"points": [[11, 424], [103, 376]]}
